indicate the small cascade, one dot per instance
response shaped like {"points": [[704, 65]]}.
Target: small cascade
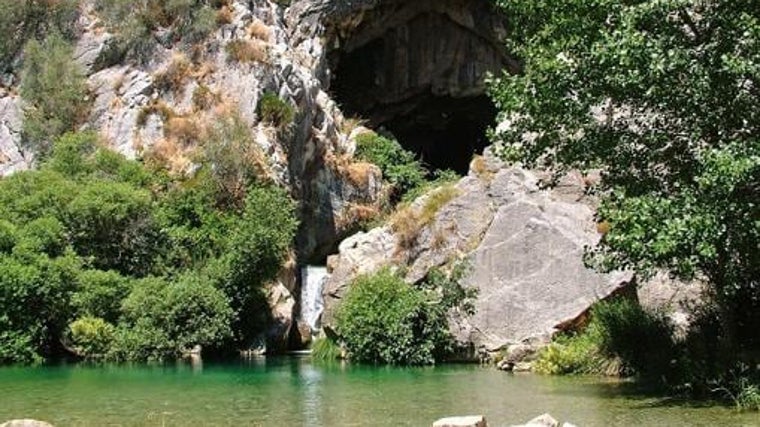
{"points": [[313, 279]]}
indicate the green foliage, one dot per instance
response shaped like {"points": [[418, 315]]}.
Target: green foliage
{"points": [[275, 111], [325, 350], [23, 20], [79, 236], [35, 291], [399, 166], [748, 397], [99, 294], [91, 337], [662, 98], [575, 354], [385, 320], [55, 90], [621, 339], [161, 320]]}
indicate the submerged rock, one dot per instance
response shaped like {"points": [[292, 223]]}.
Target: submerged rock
{"points": [[25, 423], [467, 421]]}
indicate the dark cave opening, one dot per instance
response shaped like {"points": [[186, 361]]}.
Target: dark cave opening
{"points": [[422, 80]]}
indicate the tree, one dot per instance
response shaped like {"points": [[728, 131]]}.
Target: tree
{"points": [[663, 97], [55, 90]]}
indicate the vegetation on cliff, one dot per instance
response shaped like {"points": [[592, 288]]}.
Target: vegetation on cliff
{"points": [[662, 97], [105, 258]]}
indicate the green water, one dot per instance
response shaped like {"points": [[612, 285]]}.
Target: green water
{"points": [[295, 392]]}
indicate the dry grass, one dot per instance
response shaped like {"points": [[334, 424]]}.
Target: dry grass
{"points": [[224, 15], [259, 30], [167, 154], [480, 167], [348, 125], [174, 76], [435, 201], [359, 173], [204, 98], [407, 222], [157, 107], [184, 130], [603, 227], [247, 51]]}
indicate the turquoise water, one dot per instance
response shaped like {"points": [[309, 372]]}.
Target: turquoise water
{"points": [[295, 392]]}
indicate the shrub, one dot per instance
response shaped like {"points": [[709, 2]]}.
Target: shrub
{"points": [[275, 111], [621, 339], [99, 294], [55, 91], [91, 337], [247, 51], [385, 320], [161, 320], [174, 76], [399, 166], [325, 350]]}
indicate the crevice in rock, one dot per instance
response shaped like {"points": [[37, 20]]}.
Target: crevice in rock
{"points": [[417, 69]]}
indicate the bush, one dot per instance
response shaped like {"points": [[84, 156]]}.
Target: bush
{"points": [[161, 320], [99, 294], [247, 51], [55, 90], [399, 166], [325, 350], [275, 111], [385, 320], [91, 337], [621, 339]]}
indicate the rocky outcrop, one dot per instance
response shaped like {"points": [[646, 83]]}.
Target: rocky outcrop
{"points": [[12, 156], [524, 245]]}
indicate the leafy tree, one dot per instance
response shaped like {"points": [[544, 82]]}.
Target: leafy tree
{"points": [[385, 320], [55, 90], [160, 319], [663, 98]]}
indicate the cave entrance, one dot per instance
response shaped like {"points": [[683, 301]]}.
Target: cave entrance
{"points": [[417, 70]]}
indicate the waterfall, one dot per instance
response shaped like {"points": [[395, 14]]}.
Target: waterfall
{"points": [[313, 280]]}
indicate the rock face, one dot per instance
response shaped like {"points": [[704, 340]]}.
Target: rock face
{"points": [[12, 156], [524, 245]]}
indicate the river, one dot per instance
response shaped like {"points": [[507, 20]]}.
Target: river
{"points": [[295, 392]]}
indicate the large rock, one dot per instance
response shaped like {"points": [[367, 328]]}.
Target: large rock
{"points": [[524, 245]]}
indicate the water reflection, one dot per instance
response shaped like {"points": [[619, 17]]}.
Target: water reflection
{"points": [[295, 392]]}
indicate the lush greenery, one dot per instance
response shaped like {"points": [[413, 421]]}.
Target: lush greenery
{"points": [[662, 97], [385, 320], [399, 166], [103, 258], [612, 343], [55, 91]]}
